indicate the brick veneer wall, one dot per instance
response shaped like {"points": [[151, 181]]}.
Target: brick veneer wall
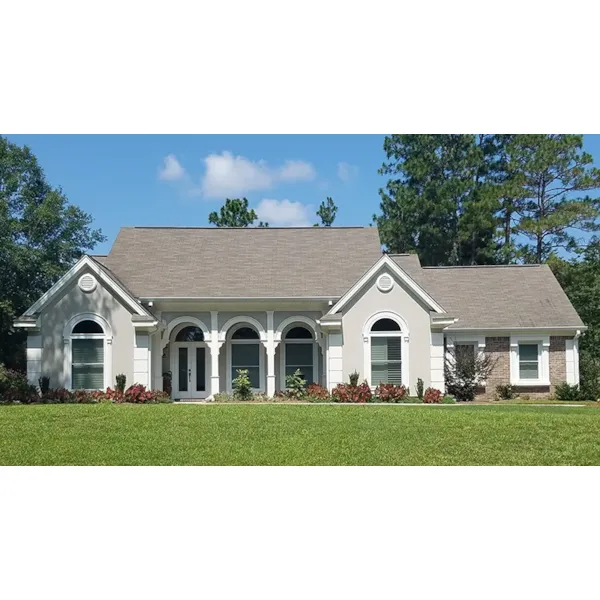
{"points": [[499, 349]]}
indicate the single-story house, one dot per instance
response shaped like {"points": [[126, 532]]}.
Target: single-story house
{"points": [[202, 303]]}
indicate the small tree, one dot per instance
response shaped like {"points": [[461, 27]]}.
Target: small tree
{"points": [[464, 371], [234, 213], [354, 378], [242, 387], [327, 211], [296, 385]]}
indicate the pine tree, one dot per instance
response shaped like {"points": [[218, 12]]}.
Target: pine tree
{"points": [[234, 213], [327, 212]]}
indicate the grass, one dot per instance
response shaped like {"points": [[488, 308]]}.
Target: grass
{"points": [[267, 434]]}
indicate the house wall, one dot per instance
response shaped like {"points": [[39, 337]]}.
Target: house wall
{"points": [[74, 301], [499, 350], [223, 316], [402, 302]]}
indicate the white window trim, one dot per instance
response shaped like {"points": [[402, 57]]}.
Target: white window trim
{"points": [[282, 354], [68, 336], [403, 334], [543, 344], [261, 358]]}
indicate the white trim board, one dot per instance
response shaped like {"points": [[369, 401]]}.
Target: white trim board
{"points": [[401, 274], [86, 262]]}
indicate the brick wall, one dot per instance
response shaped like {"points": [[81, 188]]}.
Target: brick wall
{"points": [[499, 349]]}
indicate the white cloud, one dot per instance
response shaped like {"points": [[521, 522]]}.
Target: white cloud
{"points": [[347, 172], [171, 169], [297, 170], [229, 175], [284, 213]]}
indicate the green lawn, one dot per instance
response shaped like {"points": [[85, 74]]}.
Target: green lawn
{"points": [[298, 435]]}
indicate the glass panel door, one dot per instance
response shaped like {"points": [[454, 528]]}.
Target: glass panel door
{"points": [[200, 369], [183, 373]]}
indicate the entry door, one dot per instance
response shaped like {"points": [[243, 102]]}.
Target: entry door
{"points": [[190, 381]]}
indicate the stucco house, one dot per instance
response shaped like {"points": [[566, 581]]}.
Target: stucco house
{"points": [[203, 302]]}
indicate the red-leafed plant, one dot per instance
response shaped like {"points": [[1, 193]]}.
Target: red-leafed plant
{"points": [[352, 393], [432, 396], [388, 392], [314, 390], [138, 394]]}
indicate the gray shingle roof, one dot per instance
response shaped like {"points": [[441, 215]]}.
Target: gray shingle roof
{"points": [[245, 262], [497, 296]]}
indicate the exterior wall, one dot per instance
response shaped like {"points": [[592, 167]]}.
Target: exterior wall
{"points": [[73, 302], [499, 349], [400, 301]]}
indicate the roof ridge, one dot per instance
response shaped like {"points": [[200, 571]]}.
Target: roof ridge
{"points": [[482, 266], [309, 227]]}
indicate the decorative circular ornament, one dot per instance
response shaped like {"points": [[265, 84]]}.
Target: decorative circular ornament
{"points": [[385, 282], [87, 283]]}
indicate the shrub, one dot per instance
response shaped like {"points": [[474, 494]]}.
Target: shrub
{"points": [[568, 393], [506, 392], [121, 381], [57, 396], [296, 385], [44, 383], [388, 392], [420, 388], [223, 397], [352, 393], [167, 382], [464, 372], [317, 393], [448, 400], [432, 396], [242, 388], [14, 387], [354, 378]]}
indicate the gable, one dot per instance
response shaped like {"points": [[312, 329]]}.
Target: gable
{"points": [[385, 265], [88, 284]]}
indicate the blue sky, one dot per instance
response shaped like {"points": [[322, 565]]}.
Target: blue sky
{"points": [[178, 180]]}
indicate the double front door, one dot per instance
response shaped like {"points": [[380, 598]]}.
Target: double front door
{"points": [[189, 371]]}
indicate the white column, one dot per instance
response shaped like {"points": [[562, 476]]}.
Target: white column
{"points": [[214, 348], [270, 347], [335, 371], [157, 352], [571, 373], [34, 358], [576, 358], [141, 357], [437, 361]]}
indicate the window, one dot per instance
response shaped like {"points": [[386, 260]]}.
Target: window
{"points": [[87, 356], [386, 352], [299, 351], [245, 354], [528, 361], [464, 352], [190, 334]]}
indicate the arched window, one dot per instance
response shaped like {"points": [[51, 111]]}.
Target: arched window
{"points": [[190, 334], [386, 352], [246, 354], [300, 353], [87, 356]]}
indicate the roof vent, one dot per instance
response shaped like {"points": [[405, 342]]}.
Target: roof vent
{"points": [[87, 283], [385, 283]]}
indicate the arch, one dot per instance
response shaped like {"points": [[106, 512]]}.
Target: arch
{"points": [[69, 336], [293, 320], [243, 319], [402, 334], [70, 324], [385, 315], [180, 323]]}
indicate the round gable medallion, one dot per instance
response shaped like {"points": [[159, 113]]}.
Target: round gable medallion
{"points": [[87, 283], [385, 282]]}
